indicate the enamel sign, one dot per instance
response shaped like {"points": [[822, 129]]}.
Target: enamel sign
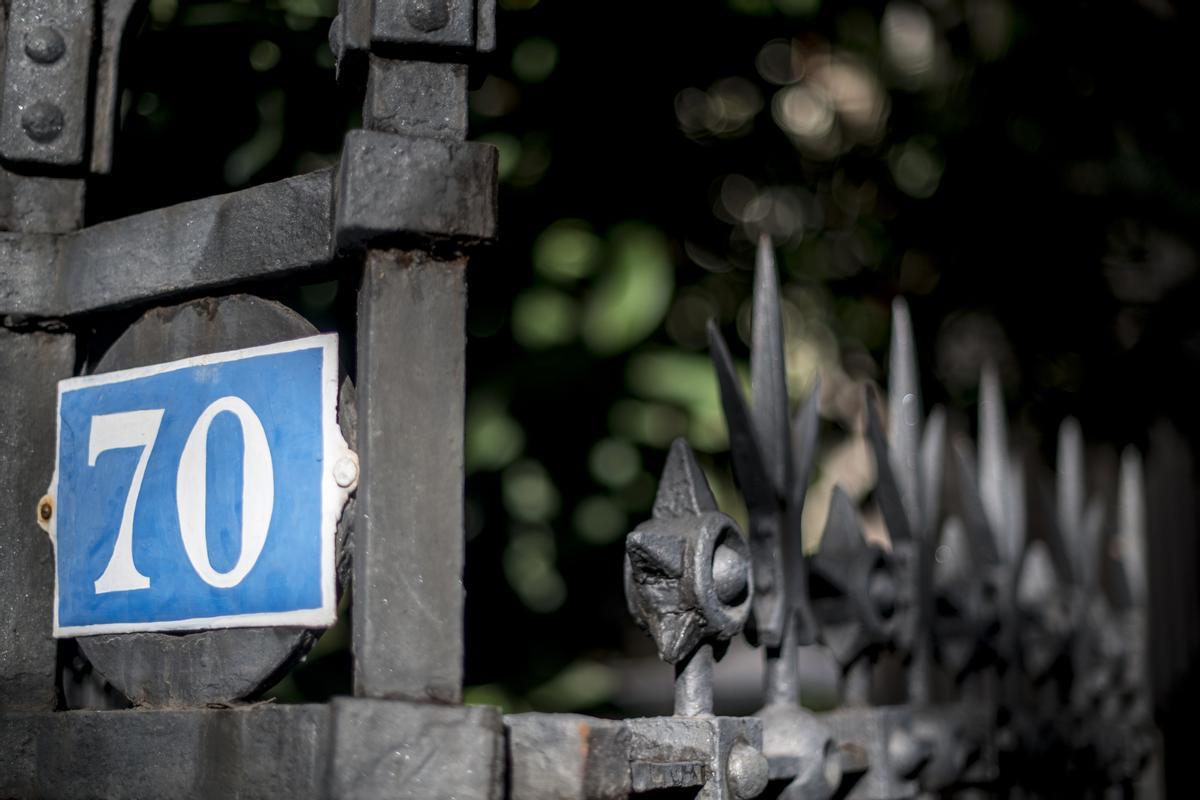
{"points": [[201, 493]]}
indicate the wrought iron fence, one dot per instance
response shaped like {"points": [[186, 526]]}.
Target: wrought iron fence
{"points": [[980, 649]]}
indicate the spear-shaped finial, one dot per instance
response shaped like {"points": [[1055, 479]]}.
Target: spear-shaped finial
{"points": [[768, 369], [904, 412], [1131, 527], [687, 578], [1079, 521]]}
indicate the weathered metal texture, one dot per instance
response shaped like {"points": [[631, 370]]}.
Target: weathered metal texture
{"points": [[855, 597], [261, 751], [687, 578], [424, 22], [36, 204], [44, 104], [689, 583], [802, 756], [269, 231], [31, 363], [911, 749], [214, 666], [961, 742], [115, 21], [408, 593], [773, 457], [566, 757], [344, 749], [416, 98], [884, 739], [772, 462], [410, 751], [909, 465], [390, 186], [718, 756]]}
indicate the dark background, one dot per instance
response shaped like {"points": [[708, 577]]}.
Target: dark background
{"points": [[1025, 173]]}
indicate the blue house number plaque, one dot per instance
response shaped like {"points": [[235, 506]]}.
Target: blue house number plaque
{"points": [[201, 493]]}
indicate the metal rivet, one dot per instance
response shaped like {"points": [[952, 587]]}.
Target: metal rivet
{"points": [[42, 121], [44, 44], [345, 472], [427, 15], [45, 510], [748, 771]]}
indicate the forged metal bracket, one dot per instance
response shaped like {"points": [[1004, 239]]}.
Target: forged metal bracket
{"points": [[910, 749], [49, 107], [389, 185], [458, 24], [347, 748], [567, 757], [719, 755], [44, 105], [259, 233]]}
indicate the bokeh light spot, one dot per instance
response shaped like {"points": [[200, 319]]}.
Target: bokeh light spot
{"points": [[534, 59], [614, 462], [543, 318], [566, 251]]}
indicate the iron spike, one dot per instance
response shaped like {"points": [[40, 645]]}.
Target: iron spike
{"points": [[805, 428], [748, 465], [1016, 537], [1070, 492], [980, 533], [887, 490], [954, 561], [1037, 583], [843, 536], [933, 462], [768, 369], [1089, 540], [993, 459], [1131, 526], [683, 489], [904, 411]]}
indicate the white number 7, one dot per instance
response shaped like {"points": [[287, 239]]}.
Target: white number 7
{"points": [[117, 432]]}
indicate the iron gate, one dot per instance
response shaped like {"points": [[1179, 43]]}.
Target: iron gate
{"points": [[980, 649]]}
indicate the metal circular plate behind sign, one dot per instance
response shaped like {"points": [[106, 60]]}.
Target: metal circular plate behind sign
{"points": [[224, 665]]}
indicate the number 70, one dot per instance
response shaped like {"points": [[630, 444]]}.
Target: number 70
{"points": [[140, 429]]}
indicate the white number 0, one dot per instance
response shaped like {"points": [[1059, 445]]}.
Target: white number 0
{"points": [[140, 429]]}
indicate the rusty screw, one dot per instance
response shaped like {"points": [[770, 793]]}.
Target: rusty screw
{"points": [[45, 510]]}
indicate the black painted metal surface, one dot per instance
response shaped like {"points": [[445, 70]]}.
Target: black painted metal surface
{"points": [[1012, 661]]}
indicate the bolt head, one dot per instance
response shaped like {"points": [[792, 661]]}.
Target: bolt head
{"points": [[44, 44], [747, 771], [42, 121], [45, 510], [427, 16], [345, 472]]}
